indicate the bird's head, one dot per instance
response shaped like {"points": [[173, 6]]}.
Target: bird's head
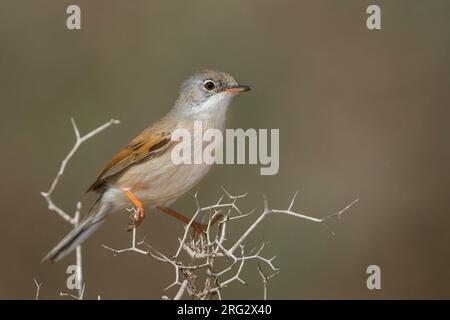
{"points": [[207, 91]]}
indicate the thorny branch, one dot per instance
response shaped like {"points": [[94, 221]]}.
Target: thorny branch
{"points": [[265, 279], [73, 220], [203, 250]]}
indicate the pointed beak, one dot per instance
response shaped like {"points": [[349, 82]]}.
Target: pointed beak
{"points": [[237, 89]]}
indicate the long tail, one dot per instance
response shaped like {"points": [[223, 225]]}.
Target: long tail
{"points": [[80, 233]]}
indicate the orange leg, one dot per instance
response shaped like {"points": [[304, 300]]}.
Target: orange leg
{"points": [[139, 214], [197, 227]]}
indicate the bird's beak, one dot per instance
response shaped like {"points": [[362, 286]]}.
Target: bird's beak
{"points": [[237, 89]]}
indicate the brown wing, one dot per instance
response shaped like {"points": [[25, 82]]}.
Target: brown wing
{"points": [[149, 142]]}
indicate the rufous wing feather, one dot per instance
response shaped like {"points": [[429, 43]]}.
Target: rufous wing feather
{"points": [[148, 143]]}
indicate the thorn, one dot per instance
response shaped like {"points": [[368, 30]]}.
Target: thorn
{"points": [[226, 192], [75, 128], [293, 200], [170, 286], [220, 200]]}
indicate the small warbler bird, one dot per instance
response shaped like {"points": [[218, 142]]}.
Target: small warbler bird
{"points": [[143, 173]]}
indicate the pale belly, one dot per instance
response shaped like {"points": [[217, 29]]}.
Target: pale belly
{"points": [[155, 182], [156, 187], [158, 181]]}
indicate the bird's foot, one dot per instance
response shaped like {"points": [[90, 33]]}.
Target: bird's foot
{"points": [[136, 218], [138, 214]]}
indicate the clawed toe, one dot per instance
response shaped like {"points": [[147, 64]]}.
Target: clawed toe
{"points": [[136, 219], [138, 214]]}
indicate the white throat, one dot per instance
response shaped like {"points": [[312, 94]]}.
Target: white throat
{"points": [[214, 107]]}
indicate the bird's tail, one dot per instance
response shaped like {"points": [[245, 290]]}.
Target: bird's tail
{"points": [[80, 233]]}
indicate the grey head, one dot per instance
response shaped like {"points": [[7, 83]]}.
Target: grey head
{"points": [[207, 92]]}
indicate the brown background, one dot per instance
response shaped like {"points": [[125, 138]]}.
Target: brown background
{"points": [[362, 114]]}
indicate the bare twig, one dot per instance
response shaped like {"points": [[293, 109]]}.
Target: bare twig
{"points": [[203, 250], [265, 279], [79, 297], [289, 211], [38, 288], [79, 140], [180, 292]]}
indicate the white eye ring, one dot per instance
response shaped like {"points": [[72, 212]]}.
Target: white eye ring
{"points": [[209, 85]]}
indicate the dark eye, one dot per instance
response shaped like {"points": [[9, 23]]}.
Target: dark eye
{"points": [[209, 85]]}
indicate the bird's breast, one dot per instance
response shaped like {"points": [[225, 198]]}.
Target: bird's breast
{"points": [[159, 180]]}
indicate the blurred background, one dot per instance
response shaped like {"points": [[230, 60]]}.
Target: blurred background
{"points": [[362, 114]]}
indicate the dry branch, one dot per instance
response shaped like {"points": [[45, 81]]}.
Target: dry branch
{"points": [[75, 219], [202, 251]]}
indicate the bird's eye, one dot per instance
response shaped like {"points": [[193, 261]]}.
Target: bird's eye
{"points": [[209, 85]]}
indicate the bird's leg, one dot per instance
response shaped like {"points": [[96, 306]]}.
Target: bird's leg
{"points": [[139, 214], [197, 227]]}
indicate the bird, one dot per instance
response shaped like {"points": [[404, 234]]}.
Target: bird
{"points": [[143, 174]]}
